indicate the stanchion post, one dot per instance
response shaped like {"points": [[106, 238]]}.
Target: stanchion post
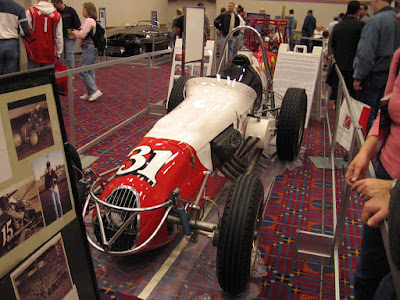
{"points": [[148, 82], [71, 110]]}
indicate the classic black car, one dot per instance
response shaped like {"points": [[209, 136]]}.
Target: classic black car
{"points": [[146, 36]]}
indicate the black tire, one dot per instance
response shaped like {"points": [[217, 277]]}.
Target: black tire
{"points": [[25, 234], [17, 139], [33, 138], [290, 128], [176, 96], [239, 234]]}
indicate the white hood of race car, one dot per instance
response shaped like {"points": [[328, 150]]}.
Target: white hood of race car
{"points": [[211, 105]]}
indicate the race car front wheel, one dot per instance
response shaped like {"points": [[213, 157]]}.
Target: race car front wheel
{"points": [[239, 234], [290, 128]]}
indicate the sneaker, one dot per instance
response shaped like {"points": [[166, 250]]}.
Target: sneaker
{"points": [[95, 95], [84, 97]]}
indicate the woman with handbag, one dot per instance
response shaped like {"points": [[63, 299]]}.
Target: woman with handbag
{"points": [[89, 52]]}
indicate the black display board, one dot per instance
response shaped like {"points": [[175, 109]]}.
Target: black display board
{"points": [[44, 253]]}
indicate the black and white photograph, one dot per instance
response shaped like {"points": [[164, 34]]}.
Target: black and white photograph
{"points": [[20, 215], [45, 275], [51, 180], [31, 126]]}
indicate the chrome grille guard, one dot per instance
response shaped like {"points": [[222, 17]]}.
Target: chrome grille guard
{"points": [[134, 213]]}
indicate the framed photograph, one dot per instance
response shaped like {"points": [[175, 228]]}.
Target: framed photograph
{"points": [[45, 275], [21, 215], [51, 181], [31, 126]]}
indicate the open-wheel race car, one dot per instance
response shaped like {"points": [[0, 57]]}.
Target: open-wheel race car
{"points": [[216, 134]]}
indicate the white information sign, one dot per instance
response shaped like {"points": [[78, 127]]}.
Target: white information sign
{"points": [[299, 69]]}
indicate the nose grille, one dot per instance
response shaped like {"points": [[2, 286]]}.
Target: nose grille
{"points": [[113, 219]]}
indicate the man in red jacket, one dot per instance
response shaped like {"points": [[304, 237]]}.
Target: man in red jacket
{"points": [[46, 25]]}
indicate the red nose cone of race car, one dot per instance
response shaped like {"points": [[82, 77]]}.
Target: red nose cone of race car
{"points": [[152, 170]]}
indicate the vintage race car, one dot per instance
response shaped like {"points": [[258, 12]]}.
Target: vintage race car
{"points": [[146, 36], [215, 134]]}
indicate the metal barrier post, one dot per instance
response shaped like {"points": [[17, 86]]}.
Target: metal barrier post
{"points": [[71, 110]]}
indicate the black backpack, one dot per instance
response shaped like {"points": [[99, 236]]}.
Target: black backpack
{"points": [[99, 39]]}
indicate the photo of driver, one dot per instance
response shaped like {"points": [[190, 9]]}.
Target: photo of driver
{"points": [[51, 185], [20, 215]]}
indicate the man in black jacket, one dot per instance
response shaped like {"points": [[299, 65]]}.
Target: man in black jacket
{"points": [[343, 44], [70, 21], [225, 22]]}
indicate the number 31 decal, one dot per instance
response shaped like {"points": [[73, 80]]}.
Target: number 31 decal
{"points": [[145, 163]]}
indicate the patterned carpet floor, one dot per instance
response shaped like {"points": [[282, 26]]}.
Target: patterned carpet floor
{"points": [[299, 196]]}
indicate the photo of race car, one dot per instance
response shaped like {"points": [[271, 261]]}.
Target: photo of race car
{"points": [[215, 131]]}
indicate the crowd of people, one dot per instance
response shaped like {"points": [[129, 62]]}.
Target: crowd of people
{"points": [[49, 32]]}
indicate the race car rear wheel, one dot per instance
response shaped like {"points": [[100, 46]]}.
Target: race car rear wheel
{"points": [[239, 234], [33, 138], [25, 234], [290, 128], [177, 96]]}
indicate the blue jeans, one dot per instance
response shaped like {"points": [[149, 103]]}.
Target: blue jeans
{"points": [[372, 264], [69, 53], [9, 56], [373, 89], [89, 56], [55, 198]]}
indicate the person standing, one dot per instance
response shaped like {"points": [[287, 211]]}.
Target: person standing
{"points": [[373, 278], [343, 44], [47, 44], [364, 16], [240, 37], [70, 20], [89, 52], [380, 38], [309, 25], [13, 16], [50, 182], [225, 22], [294, 24]]}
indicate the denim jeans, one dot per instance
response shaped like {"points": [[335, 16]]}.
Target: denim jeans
{"points": [[372, 264], [9, 56], [55, 198], [89, 56], [373, 89], [69, 52]]}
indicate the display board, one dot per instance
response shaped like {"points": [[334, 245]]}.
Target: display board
{"points": [[299, 69], [191, 69], [194, 33], [44, 253]]}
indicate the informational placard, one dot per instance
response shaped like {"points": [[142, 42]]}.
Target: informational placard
{"points": [[40, 231], [345, 129], [299, 69], [191, 69], [194, 33]]}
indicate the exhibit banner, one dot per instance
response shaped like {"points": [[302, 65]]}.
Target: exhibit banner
{"points": [[40, 229]]}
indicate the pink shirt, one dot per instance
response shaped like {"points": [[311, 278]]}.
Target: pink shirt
{"points": [[390, 154], [88, 25]]}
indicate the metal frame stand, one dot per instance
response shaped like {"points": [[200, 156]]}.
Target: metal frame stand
{"points": [[324, 248]]}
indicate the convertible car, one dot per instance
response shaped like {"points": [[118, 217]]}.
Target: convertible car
{"points": [[146, 36], [215, 131]]}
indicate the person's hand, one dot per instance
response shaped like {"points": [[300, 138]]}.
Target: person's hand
{"points": [[371, 187], [357, 168], [330, 57], [57, 59], [376, 210], [357, 85]]}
